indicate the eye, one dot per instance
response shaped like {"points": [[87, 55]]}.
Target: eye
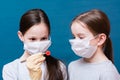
{"points": [[32, 39], [81, 37], [44, 38]]}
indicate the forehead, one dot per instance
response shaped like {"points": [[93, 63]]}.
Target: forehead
{"points": [[80, 28], [38, 29]]}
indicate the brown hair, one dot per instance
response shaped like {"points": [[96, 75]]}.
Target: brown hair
{"points": [[98, 22]]}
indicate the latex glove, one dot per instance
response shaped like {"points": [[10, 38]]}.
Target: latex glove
{"points": [[33, 64]]}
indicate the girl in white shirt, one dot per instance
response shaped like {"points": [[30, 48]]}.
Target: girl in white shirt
{"points": [[34, 32], [92, 42]]}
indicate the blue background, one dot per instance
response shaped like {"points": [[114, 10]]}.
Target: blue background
{"points": [[60, 13]]}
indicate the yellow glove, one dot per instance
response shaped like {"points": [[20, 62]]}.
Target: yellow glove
{"points": [[33, 64]]}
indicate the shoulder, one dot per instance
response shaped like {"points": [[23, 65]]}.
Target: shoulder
{"points": [[109, 67], [9, 70], [11, 65], [110, 75], [110, 72], [74, 63]]}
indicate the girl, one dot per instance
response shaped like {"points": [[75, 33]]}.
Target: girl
{"points": [[92, 42], [34, 32]]}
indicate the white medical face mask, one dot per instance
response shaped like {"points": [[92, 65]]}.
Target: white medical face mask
{"points": [[82, 47], [36, 47]]}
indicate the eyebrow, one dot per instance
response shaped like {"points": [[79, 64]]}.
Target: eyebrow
{"points": [[79, 34], [44, 36], [41, 36]]}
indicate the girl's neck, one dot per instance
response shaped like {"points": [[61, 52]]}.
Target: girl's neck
{"points": [[24, 56], [98, 56]]}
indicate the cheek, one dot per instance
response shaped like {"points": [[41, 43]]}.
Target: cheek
{"points": [[93, 42]]}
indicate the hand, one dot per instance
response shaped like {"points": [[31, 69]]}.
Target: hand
{"points": [[33, 64]]}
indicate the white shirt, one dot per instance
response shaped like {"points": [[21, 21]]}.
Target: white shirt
{"points": [[16, 70], [81, 70]]}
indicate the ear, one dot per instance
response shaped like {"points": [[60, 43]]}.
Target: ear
{"points": [[101, 39], [20, 35]]}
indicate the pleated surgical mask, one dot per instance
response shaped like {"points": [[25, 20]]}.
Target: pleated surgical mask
{"points": [[82, 47], [36, 47]]}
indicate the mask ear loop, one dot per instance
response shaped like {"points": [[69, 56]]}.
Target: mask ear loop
{"points": [[96, 35], [48, 53]]}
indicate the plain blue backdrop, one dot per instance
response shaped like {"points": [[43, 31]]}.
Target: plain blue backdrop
{"points": [[60, 13]]}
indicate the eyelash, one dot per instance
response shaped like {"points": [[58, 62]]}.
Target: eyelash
{"points": [[78, 37], [32, 39], [42, 39], [81, 37]]}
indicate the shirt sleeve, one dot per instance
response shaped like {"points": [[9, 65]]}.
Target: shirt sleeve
{"points": [[9, 72]]}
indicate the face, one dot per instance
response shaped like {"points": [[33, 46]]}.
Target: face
{"points": [[80, 31], [38, 32]]}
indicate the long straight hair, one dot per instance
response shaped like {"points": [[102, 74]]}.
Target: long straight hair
{"points": [[36, 16], [98, 22]]}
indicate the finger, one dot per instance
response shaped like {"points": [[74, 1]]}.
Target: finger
{"points": [[34, 57], [38, 65], [39, 60], [39, 57]]}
